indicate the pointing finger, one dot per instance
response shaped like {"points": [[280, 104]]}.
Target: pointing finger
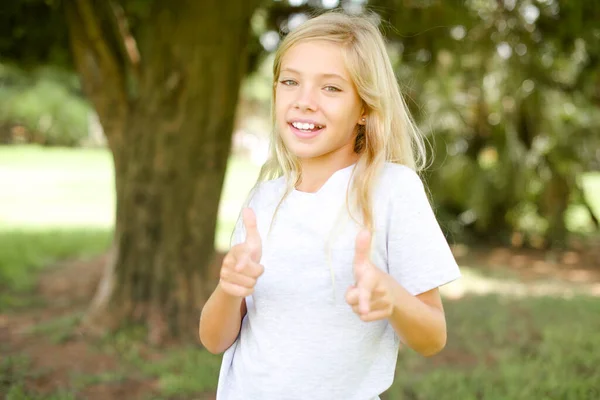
{"points": [[366, 285], [253, 240], [362, 251]]}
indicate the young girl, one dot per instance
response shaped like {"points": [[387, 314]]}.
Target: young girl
{"points": [[338, 256]]}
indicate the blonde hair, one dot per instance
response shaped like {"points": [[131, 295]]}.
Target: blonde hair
{"points": [[389, 134]]}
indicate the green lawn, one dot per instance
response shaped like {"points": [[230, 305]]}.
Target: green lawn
{"points": [[73, 188], [508, 339]]}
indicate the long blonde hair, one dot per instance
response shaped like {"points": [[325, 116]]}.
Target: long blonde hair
{"points": [[389, 134]]}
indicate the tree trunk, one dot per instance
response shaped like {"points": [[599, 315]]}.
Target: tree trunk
{"points": [[168, 120]]}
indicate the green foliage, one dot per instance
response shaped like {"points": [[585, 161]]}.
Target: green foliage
{"points": [[43, 106], [34, 32], [509, 104], [507, 93]]}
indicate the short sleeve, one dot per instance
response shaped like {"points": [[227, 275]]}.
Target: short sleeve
{"points": [[419, 256]]}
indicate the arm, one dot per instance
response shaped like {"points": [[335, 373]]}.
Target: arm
{"points": [[222, 315], [419, 261], [221, 320], [418, 320]]}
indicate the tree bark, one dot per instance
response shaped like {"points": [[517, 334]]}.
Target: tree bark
{"points": [[169, 128]]}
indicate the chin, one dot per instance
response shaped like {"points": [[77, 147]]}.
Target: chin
{"points": [[304, 153], [302, 150]]}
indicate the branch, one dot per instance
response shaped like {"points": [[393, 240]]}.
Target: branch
{"points": [[101, 73], [588, 206], [125, 40], [91, 25]]}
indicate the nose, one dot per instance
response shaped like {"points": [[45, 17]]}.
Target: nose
{"points": [[306, 100]]}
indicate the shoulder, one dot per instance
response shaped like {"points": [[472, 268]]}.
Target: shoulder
{"points": [[266, 192], [262, 198], [402, 191], [398, 180]]}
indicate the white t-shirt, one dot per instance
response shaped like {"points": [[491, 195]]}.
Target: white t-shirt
{"points": [[300, 339]]}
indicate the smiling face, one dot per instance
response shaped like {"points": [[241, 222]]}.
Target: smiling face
{"points": [[317, 107]]}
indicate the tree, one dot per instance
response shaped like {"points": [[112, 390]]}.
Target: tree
{"points": [[163, 78], [165, 87]]}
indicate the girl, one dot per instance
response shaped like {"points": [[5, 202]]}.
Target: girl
{"points": [[338, 256]]}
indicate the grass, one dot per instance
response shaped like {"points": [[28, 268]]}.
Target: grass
{"points": [[499, 347], [14, 373], [52, 188], [57, 330], [25, 251], [56, 188], [507, 339], [184, 371], [507, 348]]}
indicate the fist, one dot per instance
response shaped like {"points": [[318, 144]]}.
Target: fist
{"points": [[371, 295], [241, 269]]}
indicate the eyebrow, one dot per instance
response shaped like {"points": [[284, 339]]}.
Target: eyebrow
{"points": [[330, 75]]}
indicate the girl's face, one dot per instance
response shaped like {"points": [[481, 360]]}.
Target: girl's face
{"points": [[317, 107]]}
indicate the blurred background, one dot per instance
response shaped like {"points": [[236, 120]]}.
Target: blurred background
{"points": [[132, 130]]}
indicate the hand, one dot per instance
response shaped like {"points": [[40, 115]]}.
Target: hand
{"points": [[241, 268], [371, 296]]}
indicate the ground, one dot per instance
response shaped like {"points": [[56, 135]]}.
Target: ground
{"points": [[58, 358]]}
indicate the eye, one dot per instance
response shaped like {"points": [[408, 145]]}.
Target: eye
{"points": [[332, 89], [288, 82]]}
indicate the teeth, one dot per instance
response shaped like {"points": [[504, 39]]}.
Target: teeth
{"points": [[305, 126]]}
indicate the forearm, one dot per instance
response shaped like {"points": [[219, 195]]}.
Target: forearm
{"points": [[220, 321], [421, 326]]}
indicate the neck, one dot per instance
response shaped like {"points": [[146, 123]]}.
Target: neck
{"points": [[316, 171]]}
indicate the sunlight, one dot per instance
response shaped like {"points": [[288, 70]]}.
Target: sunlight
{"points": [[475, 281]]}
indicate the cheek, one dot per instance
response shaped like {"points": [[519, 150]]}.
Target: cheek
{"points": [[343, 116], [281, 107], [345, 129]]}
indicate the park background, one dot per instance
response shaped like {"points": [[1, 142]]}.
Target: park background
{"points": [[164, 105]]}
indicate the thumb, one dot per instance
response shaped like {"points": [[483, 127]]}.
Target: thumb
{"points": [[253, 240], [362, 251]]}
